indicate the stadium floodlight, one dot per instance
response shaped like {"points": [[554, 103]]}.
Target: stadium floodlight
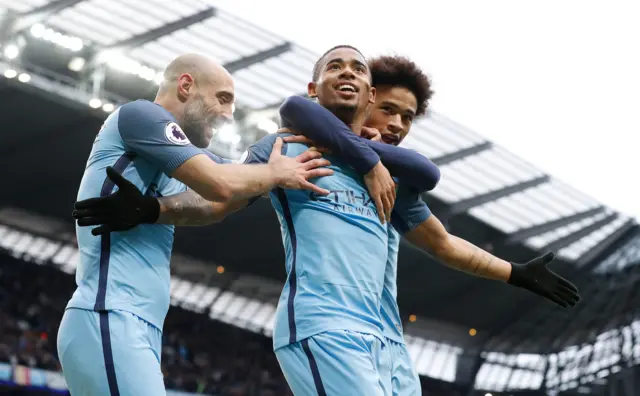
{"points": [[42, 32], [10, 73], [76, 64], [75, 44], [108, 107], [118, 61], [24, 77], [11, 51], [488, 394], [268, 125], [37, 30], [95, 103]]}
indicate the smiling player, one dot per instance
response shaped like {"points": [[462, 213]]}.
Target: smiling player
{"points": [[402, 94]]}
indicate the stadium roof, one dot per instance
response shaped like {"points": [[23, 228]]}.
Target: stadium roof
{"points": [[486, 195], [479, 178]]}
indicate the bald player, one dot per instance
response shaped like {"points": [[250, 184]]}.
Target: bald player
{"points": [[109, 341]]}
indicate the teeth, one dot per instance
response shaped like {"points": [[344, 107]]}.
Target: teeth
{"points": [[346, 87]]}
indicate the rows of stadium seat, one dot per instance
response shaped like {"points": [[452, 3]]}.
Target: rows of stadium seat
{"points": [[199, 355]]}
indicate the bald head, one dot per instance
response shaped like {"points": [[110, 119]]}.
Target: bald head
{"points": [[199, 93], [202, 69]]}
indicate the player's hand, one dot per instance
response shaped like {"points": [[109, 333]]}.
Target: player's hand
{"points": [[120, 211], [299, 138], [294, 173], [371, 134], [536, 277], [382, 190]]}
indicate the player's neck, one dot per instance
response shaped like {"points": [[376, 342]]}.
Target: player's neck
{"points": [[356, 127], [351, 118], [170, 106]]}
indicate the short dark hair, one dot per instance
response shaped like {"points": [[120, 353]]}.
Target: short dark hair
{"points": [[316, 67], [401, 71]]}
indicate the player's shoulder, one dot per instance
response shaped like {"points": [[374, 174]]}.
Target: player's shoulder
{"points": [[141, 111], [146, 120], [260, 151], [269, 140]]}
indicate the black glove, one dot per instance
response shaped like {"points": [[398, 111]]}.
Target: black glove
{"points": [[536, 277], [120, 211]]}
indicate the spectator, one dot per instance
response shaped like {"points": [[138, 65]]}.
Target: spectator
{"points": [[198, 354]]}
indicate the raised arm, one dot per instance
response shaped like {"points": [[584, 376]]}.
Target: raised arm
{"points": [[413, 219], [409, 166], [129, 207], [320, 125], [148, 131], [190, 209]]}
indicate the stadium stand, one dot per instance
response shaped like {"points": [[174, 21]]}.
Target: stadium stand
{"points": [[199, 355], [72, 62]]}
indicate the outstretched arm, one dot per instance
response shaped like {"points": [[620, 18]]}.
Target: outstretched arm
{"points": [[148, 131], [128, 207], [431, 236], [462, 255], [190, 209], [414, 220], [320, 125]]}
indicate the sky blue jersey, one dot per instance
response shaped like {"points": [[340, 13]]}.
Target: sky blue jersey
{"points": [[336, 253], [129, 270], [409, 212]]}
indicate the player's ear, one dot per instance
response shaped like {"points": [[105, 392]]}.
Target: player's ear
{"points": [[311, 90], [185, 86], [372, 95]]}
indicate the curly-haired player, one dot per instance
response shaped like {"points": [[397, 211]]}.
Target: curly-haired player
{"points": [[403, 92]]}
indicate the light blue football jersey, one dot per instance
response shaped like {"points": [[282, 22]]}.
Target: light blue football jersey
{"points": [[409, 212], [336, 253], [391, 321], [129, 270]]}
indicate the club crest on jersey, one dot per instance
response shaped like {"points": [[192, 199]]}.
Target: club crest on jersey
{"points": [[174, 134]]}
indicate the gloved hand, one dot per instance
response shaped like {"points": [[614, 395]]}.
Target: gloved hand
{"points": [[536, 277], [120, 211]]}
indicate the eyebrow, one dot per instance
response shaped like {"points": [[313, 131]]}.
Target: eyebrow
{"points": [[229, 94], [340, 60], [393, 104]]}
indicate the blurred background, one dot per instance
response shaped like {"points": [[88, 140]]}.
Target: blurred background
{"points": [[66, 64]]}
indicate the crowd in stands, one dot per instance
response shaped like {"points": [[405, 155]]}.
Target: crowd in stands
{"points": [[198, 355]]}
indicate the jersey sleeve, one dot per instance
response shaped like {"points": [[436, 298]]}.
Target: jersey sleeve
{"points": [[409, 211], [323, 127], [409, 166], [217, 159], [260, 151], [150, 132]]}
